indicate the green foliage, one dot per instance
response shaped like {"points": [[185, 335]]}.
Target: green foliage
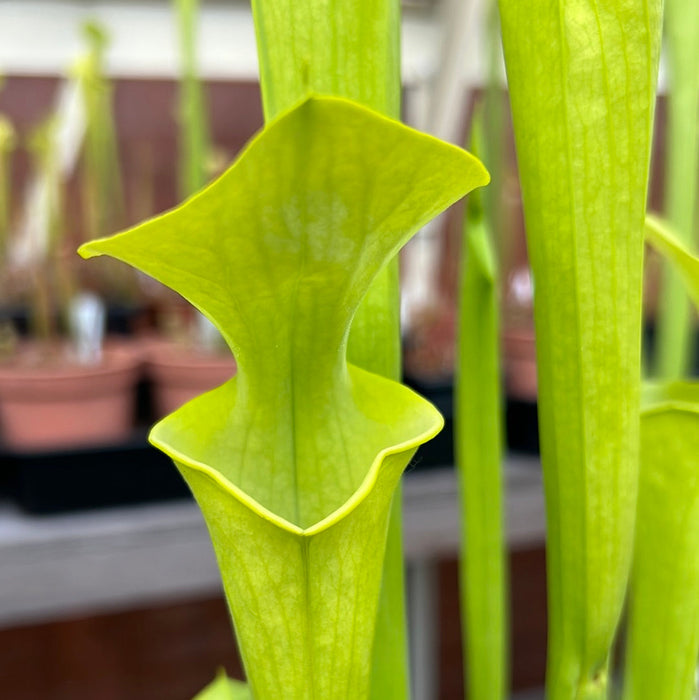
{"points": [[101, 177], [42, 147], [478, 432], [685, 264], [663, 641], [223, 688], [194, 137], [351, 49], [8, 143], [681, 177], [582, 87], [295, 461]]}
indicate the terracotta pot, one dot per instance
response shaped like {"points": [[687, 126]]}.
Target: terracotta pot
{"points": [[180, 374], [519, 354], [58, 405]]}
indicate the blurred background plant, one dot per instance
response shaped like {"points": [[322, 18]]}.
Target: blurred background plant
{"points": [[73, 147], [8, 143]]}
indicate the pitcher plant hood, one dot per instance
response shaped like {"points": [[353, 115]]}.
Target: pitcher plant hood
{"points": [[294, 461]]}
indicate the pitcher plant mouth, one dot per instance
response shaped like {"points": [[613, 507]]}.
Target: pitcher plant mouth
{"points": [[432, 418], [278, 252]]}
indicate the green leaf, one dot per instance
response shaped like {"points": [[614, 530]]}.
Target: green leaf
{"points": [[351, 49], [102, 191], [294, 461], [664, 603], [479, 448], [681, 177], [223, 688], [348, 49], [663, 639], [8, 143], [686, 265], [193, 136], [478, 443], [582, 86]]}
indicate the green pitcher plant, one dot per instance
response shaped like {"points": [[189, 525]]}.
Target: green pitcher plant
{"points": [[101, 183], [663, 637], [193, 143], [663, 238], [582, 79], [352, 50], [294, 461], [674, 324], [478, 443], [8, 143], [223, 688]]}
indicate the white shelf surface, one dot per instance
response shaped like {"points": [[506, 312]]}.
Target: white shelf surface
{"points": [[76, 564]]}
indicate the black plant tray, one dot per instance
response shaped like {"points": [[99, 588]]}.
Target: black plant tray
{"points": [[121, 320], [79, 479], [438, 452], [521, 425]]}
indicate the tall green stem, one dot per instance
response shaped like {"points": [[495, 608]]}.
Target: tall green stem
{"points": [[42, 146], [682, 42], [350, 49], [7, 146], [494, 125], [102, 187], [483, 578], [192, 111], [582, 78]]}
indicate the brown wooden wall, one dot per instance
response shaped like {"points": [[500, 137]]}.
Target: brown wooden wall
{"points": [[145, 112], [169, 652]]}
